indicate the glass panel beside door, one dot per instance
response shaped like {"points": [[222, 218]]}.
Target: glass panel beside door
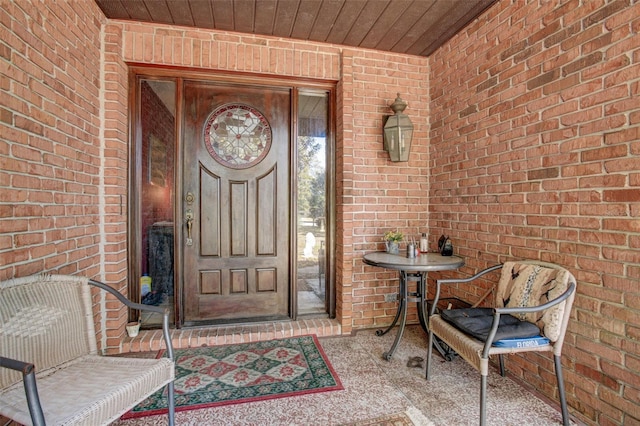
{"points": [[156, 190], [312, 170]]}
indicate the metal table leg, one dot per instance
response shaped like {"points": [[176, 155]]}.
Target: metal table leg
{"points": [[398, 312], [402, 314]]}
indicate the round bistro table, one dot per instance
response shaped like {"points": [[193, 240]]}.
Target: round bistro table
{"points": [[410, 269]]}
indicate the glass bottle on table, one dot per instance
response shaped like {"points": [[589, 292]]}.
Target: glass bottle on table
{"points": [[424, 243]]}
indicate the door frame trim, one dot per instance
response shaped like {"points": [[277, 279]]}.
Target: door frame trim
{"points": [[140, 71]]}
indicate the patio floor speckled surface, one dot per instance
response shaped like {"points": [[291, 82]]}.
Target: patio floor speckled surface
{"points": [[375, 388]]}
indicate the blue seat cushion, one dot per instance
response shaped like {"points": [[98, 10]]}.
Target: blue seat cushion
{"points": [[476, 322]]}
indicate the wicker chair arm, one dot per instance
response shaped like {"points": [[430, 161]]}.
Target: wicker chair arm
{"points": [[439, 284], [466, 280], [124, 300], [28, 371], [139, 306], [13, 364]]}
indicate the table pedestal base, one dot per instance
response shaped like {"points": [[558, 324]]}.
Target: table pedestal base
{"points": [[402, 313], [419, 296], [404, 297]]}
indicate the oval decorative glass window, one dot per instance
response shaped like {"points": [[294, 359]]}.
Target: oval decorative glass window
{"points": [[237, 136]]}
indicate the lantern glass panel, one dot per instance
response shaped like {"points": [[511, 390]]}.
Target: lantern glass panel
{"points": [[398, 132]]}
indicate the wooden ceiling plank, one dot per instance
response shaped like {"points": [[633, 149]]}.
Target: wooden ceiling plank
{"points": [[223, 15], [423, 27], [244, 13], [202, 13], [179, 11], [406, 30], [386, 21], [285, 17], [137, 10], [366, 21], [460, 18], [327, 16], [305, 19], [388, 25], [442, 14], [161, 13], [113, 9], [265, 16], [345, 21]]}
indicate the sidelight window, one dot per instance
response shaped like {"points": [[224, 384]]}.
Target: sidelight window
{"points": [[155, 189], [313, 126]]}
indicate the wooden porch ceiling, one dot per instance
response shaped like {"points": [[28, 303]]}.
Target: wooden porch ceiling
{"points": [[416, 27]]}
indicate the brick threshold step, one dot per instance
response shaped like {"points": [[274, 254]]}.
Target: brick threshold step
{"points": [[151, 340]]}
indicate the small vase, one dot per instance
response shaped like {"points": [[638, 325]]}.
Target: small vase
{"points": [[392, 247]]}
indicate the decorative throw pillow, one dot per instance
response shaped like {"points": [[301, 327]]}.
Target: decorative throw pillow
{"points": [[525, 285]]}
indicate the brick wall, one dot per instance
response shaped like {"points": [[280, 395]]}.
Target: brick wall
{"points": [[380, 195], [535, 153], [53, 212], [49, 148]]}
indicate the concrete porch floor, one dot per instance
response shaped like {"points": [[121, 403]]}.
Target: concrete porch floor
{"points": [[376, 391]]}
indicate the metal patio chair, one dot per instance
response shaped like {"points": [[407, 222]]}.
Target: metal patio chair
{"points": [[531, 312], [47, 323]]}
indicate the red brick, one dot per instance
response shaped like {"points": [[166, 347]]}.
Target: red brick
{"points": [[614, 151]]}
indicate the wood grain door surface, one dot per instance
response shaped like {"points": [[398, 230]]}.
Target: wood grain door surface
{"points": [[237, 265]]}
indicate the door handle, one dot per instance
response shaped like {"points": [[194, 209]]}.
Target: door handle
{"points": [[189, 219]]}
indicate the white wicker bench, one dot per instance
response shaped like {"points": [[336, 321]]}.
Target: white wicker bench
{"points": [[53, 373]]}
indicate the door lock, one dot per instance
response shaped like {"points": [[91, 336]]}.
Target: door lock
{"points": [[189, 219]]}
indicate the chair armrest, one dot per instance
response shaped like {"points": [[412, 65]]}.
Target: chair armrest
{"points": [[439, 284], [530, 309], [13, 364], [522, 310], [139, 306], [30, 388]]}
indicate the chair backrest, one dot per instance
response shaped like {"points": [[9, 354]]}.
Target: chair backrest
{"points": [[46, 320], [533, 283]]}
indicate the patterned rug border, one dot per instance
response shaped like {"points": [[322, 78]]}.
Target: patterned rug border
{"points": [[338, 386]]}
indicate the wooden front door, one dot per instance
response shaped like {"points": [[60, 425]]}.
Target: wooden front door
{"points": [[236, 205]]}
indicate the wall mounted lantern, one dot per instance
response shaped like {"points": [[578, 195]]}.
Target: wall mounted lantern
{"points": [[398, 132]]}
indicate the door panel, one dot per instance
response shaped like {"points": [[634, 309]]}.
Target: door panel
{"points": [[265, 216], [239, 218], [237, 267], [209, 214]]}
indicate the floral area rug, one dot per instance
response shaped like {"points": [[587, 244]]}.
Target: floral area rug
{"points": [[233, 374]]}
